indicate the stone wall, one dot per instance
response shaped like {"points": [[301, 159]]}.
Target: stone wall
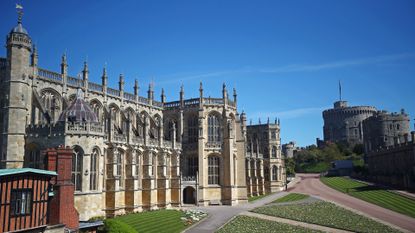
{"points": [[394, 165]]}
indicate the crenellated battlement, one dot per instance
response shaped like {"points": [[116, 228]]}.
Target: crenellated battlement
{"points": [[347, 111]]}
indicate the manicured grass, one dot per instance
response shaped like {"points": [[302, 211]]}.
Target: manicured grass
{"points": [[372, 194], [325, 214], [155, 221], [254, 198], [245, 224], [314, 168], [291, 197]]}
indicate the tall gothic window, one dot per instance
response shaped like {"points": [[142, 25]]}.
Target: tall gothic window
{"points": [[213, 170], [119, 164], [214, 126], [168, 133], [274, 134], [192, 165], [274, 152], [93, 174], [77, 157], [96, 107], [274, 173], [137, 164], [51, 103], [192, 129], [266, 173]]}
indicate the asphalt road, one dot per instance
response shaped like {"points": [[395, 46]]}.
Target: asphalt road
{"points": [[311, 184]]}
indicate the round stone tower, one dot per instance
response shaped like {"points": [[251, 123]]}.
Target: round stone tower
{"points": [[17, 96], [344, 124]]}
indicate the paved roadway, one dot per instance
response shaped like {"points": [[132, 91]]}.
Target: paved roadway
{"points": [[311, 184], [219, 215]]}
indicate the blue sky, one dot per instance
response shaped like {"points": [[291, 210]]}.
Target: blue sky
{"points": [[284, 57]]}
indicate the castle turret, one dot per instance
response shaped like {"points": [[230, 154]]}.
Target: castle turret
{"points": [[85, 77], [16, 110], [64, 73], [163, 96], [235, 96], [150, 92], [182, 96], [136, 89]]}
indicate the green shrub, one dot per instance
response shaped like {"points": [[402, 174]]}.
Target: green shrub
{"points": [[115, 226]]}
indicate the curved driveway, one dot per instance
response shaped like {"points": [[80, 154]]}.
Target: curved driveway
{"points": [[311, 184]]}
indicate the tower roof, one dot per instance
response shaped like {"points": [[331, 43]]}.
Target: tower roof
{"points": [[19, 29], [79, 111]]}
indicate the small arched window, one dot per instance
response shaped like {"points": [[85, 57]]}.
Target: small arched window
{"points": [[214, 128], [93, 174], [274, 173], [213, 170], [33, 158], [274, 152], [77, 157]]}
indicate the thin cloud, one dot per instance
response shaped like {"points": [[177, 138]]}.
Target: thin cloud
{"points": [[288, 114], [339, 64], [292, 68]]}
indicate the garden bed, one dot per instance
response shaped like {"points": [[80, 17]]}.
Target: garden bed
{"points": [[325, 214], [245, 224]]}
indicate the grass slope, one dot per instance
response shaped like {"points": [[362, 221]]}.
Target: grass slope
{"points": [[372, 194], [167, 221], [245, 224], [291, 197], [325, 214], [254, 198]]}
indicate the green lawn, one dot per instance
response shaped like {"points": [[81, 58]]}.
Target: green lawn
{"points": [[254, 198], [372, 194], [315, 167], [325, 214], [245, 224], [291, 197], [155, 221]]}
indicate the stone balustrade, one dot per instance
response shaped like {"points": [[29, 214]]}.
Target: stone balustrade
{"points": [[213, 145]]}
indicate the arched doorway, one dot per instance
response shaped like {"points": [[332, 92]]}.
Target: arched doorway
{"points": [[189, 195]]}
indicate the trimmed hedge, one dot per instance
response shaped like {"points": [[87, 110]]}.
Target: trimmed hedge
{"points": [[116, 226]]}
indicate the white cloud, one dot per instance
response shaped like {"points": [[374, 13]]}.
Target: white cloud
{"points": [[291, 68], [288, 114]]}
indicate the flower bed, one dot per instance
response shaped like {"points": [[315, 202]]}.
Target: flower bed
{"points": [[325, 214], [192, 216], [245, 224]]}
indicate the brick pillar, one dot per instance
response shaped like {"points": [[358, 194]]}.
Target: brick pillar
{"points": [[62, 209]]}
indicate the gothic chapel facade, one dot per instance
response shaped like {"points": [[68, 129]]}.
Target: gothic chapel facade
{"points": [[130, 153]]}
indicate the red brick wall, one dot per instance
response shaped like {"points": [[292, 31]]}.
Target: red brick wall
{"points": [[62, 209]]}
